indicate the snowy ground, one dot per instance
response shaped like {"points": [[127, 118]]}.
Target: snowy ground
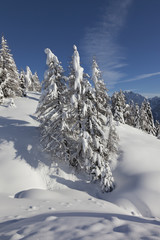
{"points": [[73, 209]]}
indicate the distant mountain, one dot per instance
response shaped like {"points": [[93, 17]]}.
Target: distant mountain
{"points": [[155, 105], [135, 97], [138, 98]]}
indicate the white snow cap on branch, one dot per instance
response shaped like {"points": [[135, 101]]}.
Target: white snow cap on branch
{"points": [[50, 57], [78, 69]]}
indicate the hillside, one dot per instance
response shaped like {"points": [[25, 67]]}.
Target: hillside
{"points": [[45, 199]]}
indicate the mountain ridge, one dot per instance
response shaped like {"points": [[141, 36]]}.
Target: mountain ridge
{"points": [[138, 98]]}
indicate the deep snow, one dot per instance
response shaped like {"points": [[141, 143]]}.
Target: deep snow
{"points": [[42, 199]]}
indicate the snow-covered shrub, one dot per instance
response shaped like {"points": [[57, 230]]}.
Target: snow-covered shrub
{"points": [[12, 103]]}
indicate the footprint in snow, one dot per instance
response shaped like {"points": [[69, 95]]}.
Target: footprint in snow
{"points": [[51, 208], [32, 208], [66, 204]]}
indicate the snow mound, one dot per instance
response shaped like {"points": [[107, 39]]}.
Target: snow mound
{"points": [[36, 194]]}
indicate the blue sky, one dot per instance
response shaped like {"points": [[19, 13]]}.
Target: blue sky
{"points": [[124, 35]]}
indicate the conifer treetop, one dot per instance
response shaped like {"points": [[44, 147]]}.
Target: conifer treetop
{"points": [[77, 69], [51, 57], [5, 49], [95, 72]]}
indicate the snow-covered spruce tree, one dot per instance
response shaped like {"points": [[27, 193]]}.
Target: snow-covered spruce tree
{"points": [[36, 83], [94, 151], [9, 76], [112, 144], [158, 134], [84, 129], [146, 118], [137, 116], [129, 113], [1, 95], [93, 145], [22, 82], [101, 97], [32, 82], [28, 79], [132, 114], [104, 118], [118, 106], [157, 125], [50, 109], [75, 102]]}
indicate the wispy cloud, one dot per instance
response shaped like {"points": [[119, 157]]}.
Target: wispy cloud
{"points": [[100, 40], [140, 77]]}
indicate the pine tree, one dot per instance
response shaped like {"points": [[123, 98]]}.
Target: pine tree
{"points": [[71, 129], [74, 116], [9, 76], [146, 118], [32, 82], [112, 145], [129, 114], [1, 95], [132, 115], [22, 82], [103, 119], [28, 79], [157, 126], [36, 83], [101, 97], [137, 116], [95, 150], [118, 106], [50, 109], [85, 129]]}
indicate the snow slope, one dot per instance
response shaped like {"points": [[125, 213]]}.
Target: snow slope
{"points": [[138, 172], [19, 153], [72, 208]]}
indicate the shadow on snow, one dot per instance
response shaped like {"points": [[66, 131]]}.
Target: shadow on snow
{"points": [[12, 225], [25, 139]]}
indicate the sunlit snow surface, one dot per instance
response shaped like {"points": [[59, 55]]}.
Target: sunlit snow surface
{"points": [[73, 208]]}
